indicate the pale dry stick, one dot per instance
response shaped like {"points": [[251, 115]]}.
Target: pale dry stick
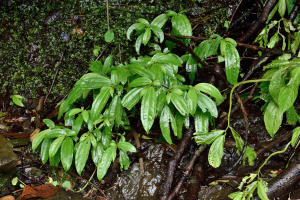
{"points": [[138, 146], [107, 12]]}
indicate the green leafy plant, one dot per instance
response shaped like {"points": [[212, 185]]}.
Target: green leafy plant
{"points": [[15, 180]]}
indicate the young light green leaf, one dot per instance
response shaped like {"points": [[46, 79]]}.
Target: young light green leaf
{"points": [[133, 27], [148, 109], [55, 146], [67, 153], [236, 195], [100, 102], [233, 42], [232, 63], [105, 162], [54, 160], [296, 134], [93, 140], [205, 103], [180, 103], [143, 21], [114, 77], [96, 66], [273, 40], [161, 99], [282, 7], [216, 152], [272, 118], [39, 138], [209, 89], [142, 71], [66, 185], [91, 81], [14, 181], [261, 191], [82, 154], [131, 98], [147, 36], [164, 123], [126, 146], [208, 138], [160, 20], [109, 36], [238, 140], [140, 81], [45, 149], [17, 101], [55, 133], [192, 101], [158, 32]]}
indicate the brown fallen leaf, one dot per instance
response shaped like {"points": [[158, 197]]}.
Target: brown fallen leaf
{"points": [[43, 191], [8, 197]]}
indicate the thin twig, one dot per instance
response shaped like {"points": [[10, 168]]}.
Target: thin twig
{"points": [[235, 12], [138, 146], [107, 12]]}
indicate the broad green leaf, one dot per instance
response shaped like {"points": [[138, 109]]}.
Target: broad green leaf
{"points": [[55, 133], [93, 140], [205, 103], [156, 69], [105, 162], [82, 154], [222, 47], [92, 81], [296, 43], [143, 21], [77, 124], [272, 118], [54, 160], [180, 103], [182, 26], [124, 160], [201, 121], [179, 122], [55, 146], [148, 109], [161, 99], [138, 43], [233, 42], [109, 36], [97, 153], [142, 71], [209, 89], [166, 59], [147, 36], [133, 27], [232, 63], [114, 77], [238, 140], [192, 101], [208, 138], [131, 98], [173, 122], [39, 138], [106, 65], [140, 81], [74, 111], [158, 32], [71, 133], [277, 83], [290, 5], [164, 123], [216, 152], [295, 77], [287, 97], [85, 116], [261, 191], [96, 66], [282, 7], [273, 40], [292, 116], [17, 101], [126, 146], [45, 149], [72, 97], [250, 154], [115, 109], [160, 20], [100, 102], [295, 136], [170, 13], [67, 153], [236, 195]]}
